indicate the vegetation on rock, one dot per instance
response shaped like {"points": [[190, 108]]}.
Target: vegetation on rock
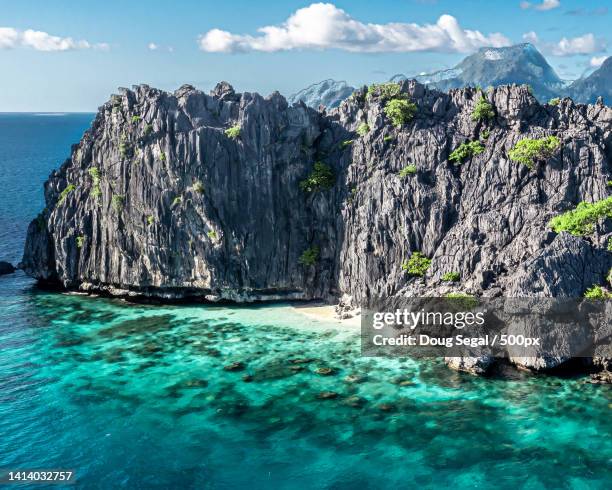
{"points": [[64, 194], [451, 277], [321, 178], [363, 129], [465, 151], [233, 132], [483, 110], [581, 220], [529, 151], [400, 111], [417, 264], [408, 170], [310, 256]]}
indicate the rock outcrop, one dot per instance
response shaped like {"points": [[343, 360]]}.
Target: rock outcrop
{"points": [[189, 195], [160, 199], [6, 268]]}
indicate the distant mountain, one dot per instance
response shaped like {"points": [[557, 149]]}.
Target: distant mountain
{"points": [[329, 93], [598, 83], [520, 64]]}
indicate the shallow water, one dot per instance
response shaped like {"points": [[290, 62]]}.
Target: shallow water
{"points": [[139, 396]]}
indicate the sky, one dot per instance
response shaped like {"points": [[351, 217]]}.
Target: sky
{"points": [[66, 55]]}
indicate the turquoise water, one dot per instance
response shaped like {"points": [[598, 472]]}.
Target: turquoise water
{"points": [[144, 396]]}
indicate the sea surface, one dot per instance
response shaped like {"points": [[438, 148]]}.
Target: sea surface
{"points": [[181, 397]]}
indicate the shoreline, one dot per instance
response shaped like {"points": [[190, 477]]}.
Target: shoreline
{"points": [[325, 312]]}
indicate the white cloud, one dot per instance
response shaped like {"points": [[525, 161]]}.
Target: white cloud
{"points": [[43, 41], [152, 46], [544, 6], [597, 61], [586, 44], [324, 26], [157, 47], [8, 37]]}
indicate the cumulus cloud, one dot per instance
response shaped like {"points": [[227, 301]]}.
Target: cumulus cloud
{"points": [[324, 26], [152, 46], [8, 37], [542, 7], [597, 61], [43, 41], [581, 45]]}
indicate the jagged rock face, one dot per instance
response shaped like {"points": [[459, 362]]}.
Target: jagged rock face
{"points": [[329, 93], [242, 221], [183, 208]]}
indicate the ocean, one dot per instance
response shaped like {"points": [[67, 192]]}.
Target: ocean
{"points": [[219, 397]]}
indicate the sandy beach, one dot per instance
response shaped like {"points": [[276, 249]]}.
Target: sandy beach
{"points": [[326, 313]]}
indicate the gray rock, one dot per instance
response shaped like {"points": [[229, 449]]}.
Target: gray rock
{"points": [[6, 268], [328, 93], [178, 208]]}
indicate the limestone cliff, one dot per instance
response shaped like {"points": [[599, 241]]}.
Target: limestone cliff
{"points": [[195, 195]]}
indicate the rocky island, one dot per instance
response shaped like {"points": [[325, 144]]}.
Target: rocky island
{"points": [[402, 190]]}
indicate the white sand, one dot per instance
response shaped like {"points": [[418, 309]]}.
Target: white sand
{"points": [[326, 313]]}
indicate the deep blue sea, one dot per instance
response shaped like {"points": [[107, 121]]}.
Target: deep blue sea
{"points": [[133, 396]]}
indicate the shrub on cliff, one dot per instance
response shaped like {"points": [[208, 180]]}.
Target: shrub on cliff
{"points": [[483, 110], [555, 101], [581, 221], [310, 256], [400, 111], [451, 277], [597, 292], [417, 264], [363, 129], [321, 178], [64, 194], [117, 203], [198, 187], [408, 170], [529, 151], [233, 132], [383, 90], [465, 151]]}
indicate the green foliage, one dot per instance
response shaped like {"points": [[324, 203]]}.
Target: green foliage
{"points": [[609, 183], [198, 187], [118, 202], [389, 137], [125, 150], [135, 119], [400, 111], [485, 134], [417, 264], [408, 170], [609, 244], [465, 151], [177, 200], [150, 220], [529, 151], [94, 173], [310, 256], [383, 90], [462, 300], [363, 129], [212, 234], [162, 156], [483, 110], [555, 101], [321, 178], [233, 132], [346, 143], [80, 240], [451, 277], [148, 129], [64, 194], [581, 221], [597, 292]]}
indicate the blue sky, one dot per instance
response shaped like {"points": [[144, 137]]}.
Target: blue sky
{"points": [[69, 55]]}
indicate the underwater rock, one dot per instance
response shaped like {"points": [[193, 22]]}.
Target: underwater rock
{"points": [[325, 371], [234, 366], [327, 395]]}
